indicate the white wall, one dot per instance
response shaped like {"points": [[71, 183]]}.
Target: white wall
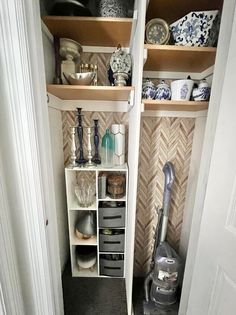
{"points": [[59, 182]]}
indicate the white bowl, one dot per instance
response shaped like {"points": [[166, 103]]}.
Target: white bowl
{"points": [[86, 262], [80, 78], [181, 90]]}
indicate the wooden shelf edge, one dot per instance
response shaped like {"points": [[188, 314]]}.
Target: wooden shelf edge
{"points": [[87, 18], [180, 48], [82, 92], [175, 105]]}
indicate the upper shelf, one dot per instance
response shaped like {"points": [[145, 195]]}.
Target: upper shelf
{"points": [[171, 11], [91, 31], [165, 105], [179, 58], [84, 92]]}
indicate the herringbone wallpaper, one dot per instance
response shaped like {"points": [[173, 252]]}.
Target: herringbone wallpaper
{"points": [[106, 119], [162, 139]]}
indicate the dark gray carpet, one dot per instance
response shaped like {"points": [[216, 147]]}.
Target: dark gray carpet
{"points": [[93, 296]]}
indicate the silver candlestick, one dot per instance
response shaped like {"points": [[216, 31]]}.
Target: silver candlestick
{"points": [[73, 148], [89, 163]]}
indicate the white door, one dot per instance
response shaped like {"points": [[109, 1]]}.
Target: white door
{"points": [[213, 289]]}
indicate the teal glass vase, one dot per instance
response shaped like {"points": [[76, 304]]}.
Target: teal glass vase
{"points": [[107, 149]]}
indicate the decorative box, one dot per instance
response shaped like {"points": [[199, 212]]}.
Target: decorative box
{"points": [[112, 265], [198, 28], [111, 217], [112, 243]]}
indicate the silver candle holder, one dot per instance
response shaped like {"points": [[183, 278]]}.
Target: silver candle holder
{"points": [[89, 163], [73, 147]]}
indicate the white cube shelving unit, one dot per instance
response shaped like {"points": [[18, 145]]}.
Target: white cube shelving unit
{"points": [[72, 175]]}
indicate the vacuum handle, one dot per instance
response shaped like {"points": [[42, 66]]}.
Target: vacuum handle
{"points": [[166, 201]]}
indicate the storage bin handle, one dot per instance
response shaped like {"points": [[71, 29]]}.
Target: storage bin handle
{"points": [[112, 217]]}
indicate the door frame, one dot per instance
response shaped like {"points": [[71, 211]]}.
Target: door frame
{"points": [[21, 31], [38, 271]]}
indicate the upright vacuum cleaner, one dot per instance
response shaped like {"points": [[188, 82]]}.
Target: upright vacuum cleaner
{"points": [[162, 282]]}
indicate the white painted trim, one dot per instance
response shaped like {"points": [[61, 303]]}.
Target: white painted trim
{"points": [[218, 79], [98, 49], [177, 75], [133, 29], [145, 55], [26, 112], [206, 73], [46, 31], [170, 75], [89, 106], [54, 102], [163, 113], [133, 146]]}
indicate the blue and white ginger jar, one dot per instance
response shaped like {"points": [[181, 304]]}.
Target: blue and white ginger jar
{"points": [[148, 90], [202, 92], [163, 91]]}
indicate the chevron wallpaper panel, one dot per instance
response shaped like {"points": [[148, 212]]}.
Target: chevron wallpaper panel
{"points": [[69, 119], [162, 140]]}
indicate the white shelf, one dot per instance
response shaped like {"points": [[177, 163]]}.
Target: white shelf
{"points": [[76, 241], [99, 168], [75, 207], [85, 272], [112, 199]]}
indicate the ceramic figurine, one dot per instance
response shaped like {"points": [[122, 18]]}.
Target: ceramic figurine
{"points": [[148, 90], [196, 29], [202, 92], [163, 91]]}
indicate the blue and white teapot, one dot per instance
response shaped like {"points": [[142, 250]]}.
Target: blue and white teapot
{"points": [[202, 92], [163, 91]]}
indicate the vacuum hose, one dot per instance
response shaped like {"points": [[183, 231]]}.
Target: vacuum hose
{"points": [[168, 170]]}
